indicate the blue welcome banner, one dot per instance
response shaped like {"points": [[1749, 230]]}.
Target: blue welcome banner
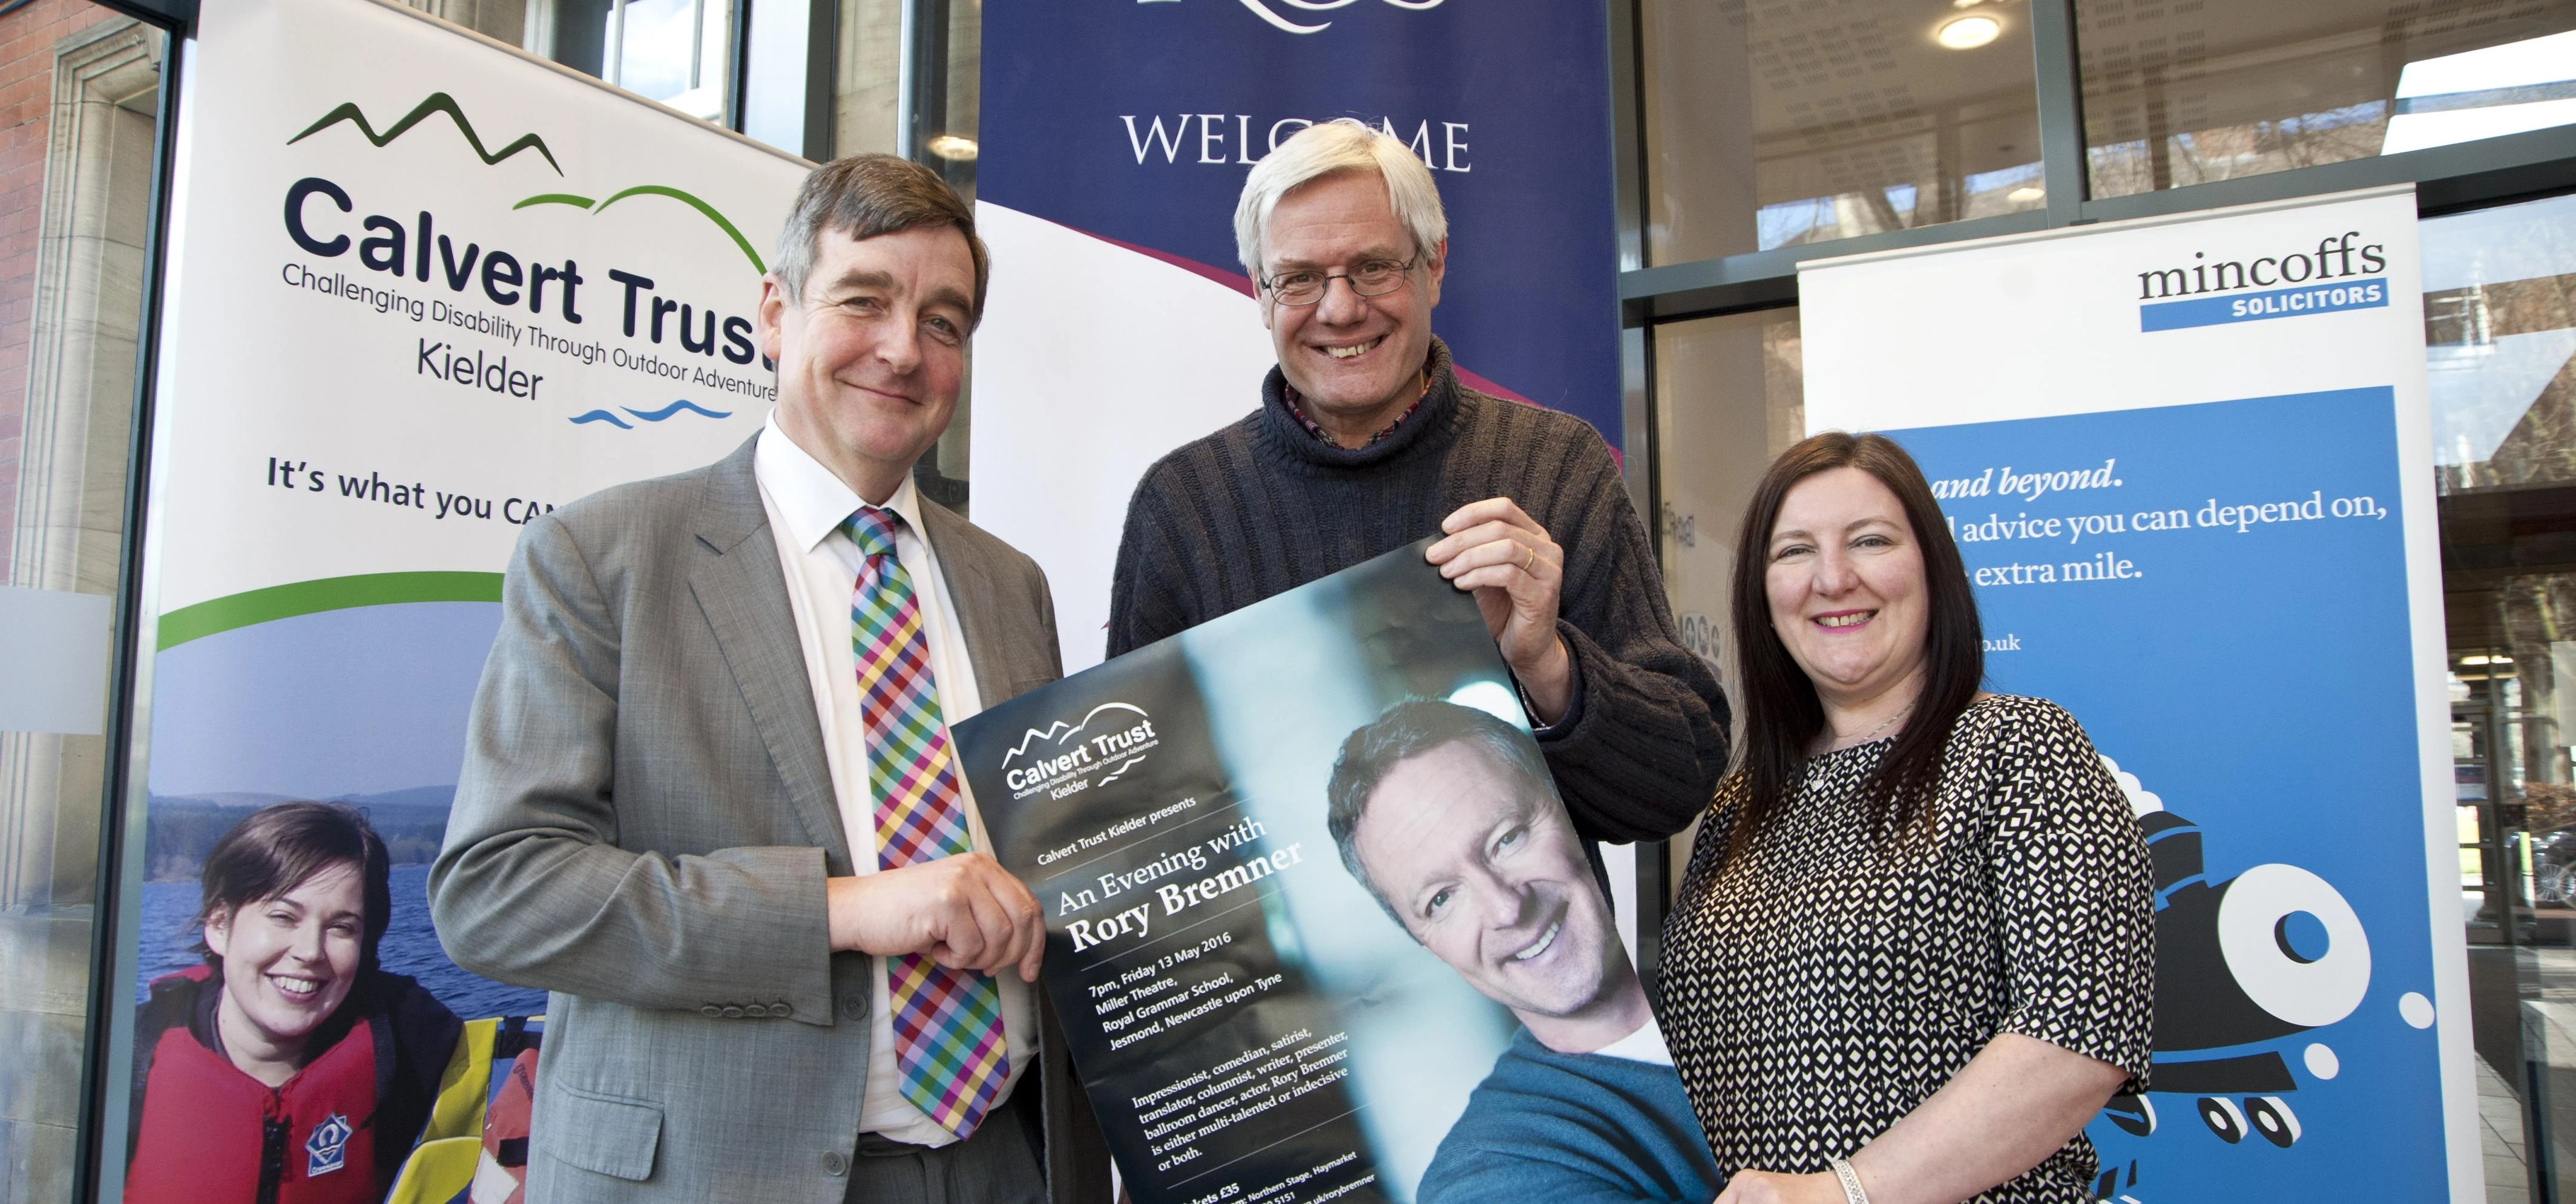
{"points": [[1114, 142], [1137, 121]]}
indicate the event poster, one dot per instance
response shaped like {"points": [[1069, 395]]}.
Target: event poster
{"points": [[2196, 513], [1114, 142], [1318, 927], [414, 301]]}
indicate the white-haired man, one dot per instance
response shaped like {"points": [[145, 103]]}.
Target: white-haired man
{"points": [[1365, 441]]}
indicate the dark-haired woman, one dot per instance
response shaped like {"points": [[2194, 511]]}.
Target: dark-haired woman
{"points": [[288, 1069], [1913, 953]]}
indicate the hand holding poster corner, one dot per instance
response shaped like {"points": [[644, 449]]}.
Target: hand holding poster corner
{"points": [[2193, 490], [1223, 828], [420, 290]]}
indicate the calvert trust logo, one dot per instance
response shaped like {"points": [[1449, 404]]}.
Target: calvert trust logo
{"points": [[517, 317], [1108, 740], [2340, 272], [1275, 11]]}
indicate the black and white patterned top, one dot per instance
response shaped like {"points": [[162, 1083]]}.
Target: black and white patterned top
{"points": [[1821, 984]]}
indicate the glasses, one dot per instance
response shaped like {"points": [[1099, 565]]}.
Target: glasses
{"points": [[1372, 278]]}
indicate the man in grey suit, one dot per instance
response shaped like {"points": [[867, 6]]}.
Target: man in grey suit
{"points": [[708, 800]]}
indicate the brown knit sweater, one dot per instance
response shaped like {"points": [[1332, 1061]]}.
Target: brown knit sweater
{"points": [[1262, 506]]}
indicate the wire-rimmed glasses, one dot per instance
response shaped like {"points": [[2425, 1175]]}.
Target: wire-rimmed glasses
{"points": [[1371, 278]]}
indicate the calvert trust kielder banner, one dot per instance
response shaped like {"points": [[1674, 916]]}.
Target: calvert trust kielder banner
{"points": [[1115, 138], [422, 289], [2189, 465]]}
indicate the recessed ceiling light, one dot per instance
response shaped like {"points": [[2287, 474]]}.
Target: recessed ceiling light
{"points": [[953, 148], [1965, 3], [2486, 660], [1968, 33], [2027, 194]]}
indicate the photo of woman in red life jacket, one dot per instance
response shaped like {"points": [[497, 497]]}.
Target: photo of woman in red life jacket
{"points": [[288, 1069]]}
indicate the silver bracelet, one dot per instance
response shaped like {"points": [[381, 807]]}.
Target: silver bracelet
{"points": [[1852, 1193]]}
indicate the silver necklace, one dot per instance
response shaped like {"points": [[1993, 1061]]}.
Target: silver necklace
{"points": [[1873, 732]]}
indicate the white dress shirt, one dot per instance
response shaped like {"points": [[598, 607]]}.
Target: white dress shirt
{"points": [[1644, 1045], [807, 505]]}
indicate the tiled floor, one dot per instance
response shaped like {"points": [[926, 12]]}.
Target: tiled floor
{"points": [[2500, 1138]]}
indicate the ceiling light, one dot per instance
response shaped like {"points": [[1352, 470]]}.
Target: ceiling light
{"points": [[1965, 3], [953, 148], [1968, 33], [2027, 194], [2486, 660]]}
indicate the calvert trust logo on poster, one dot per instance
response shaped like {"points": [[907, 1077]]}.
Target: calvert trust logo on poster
{"points": [[2340, 272], [455, 275], [1114, 736]]}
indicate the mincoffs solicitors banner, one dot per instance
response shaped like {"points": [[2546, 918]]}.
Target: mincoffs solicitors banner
{"points": [[2195, 496], [421, 290], [1250, 1017], [1115, 138]]}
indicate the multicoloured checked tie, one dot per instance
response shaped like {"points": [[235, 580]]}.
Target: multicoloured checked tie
{"points": [[947, 1023]]}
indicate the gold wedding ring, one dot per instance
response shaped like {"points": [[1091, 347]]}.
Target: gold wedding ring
{"points": [[1531, 565]]}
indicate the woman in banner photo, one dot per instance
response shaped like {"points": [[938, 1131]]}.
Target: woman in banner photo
{"points": [[1914, 950], [288, 1068]]}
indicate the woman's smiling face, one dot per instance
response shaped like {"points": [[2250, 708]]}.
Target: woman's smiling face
{"points": [[1845, 580], [290, 960]]}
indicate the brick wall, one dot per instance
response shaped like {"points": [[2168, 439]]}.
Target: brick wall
{"points": [[27, 41]]}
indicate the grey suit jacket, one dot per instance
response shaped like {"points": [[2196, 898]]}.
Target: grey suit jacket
{"points": [[643, 828]]}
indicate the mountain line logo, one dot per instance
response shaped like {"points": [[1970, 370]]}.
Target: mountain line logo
{"points": [[435, 102]]}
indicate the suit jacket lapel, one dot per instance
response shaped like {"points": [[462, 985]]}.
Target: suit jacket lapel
{"points": [[742, 590], [971, 588]]}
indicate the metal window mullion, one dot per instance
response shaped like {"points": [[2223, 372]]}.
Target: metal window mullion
{"points": [[822, 59], [126, 764], [1628, 144], [921, 77], [697, 43], [2056, 66], [737, 66], [613, 56]]}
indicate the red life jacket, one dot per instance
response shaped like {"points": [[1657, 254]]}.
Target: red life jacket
{"points": [[502, 1175], [211, 1134]]}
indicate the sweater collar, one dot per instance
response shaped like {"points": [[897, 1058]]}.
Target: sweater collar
{"points": [[1286, 435]]}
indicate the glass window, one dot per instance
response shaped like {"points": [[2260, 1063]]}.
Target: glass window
{"points": [[504, 20], [2500, 334], [864, 82], [1772, 123], [71, 268], [679, 52], [2180, 92], [946, 64], [1729, 397]]}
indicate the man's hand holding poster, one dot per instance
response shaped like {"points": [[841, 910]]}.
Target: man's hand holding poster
{"points": [[1318, 927]]}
